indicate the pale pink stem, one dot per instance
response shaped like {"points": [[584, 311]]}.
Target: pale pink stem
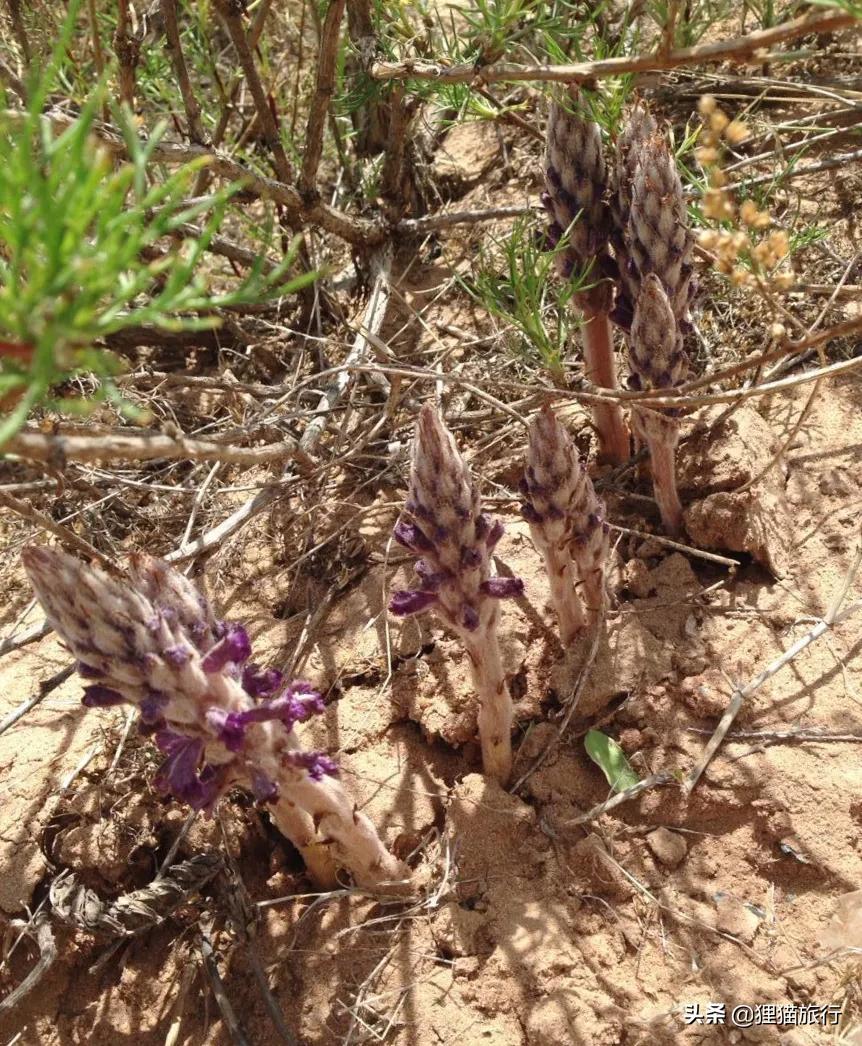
{"points": [[663, 458], [561, 581], [496, 711], [298, 827], [352, 835], [600, 368]]}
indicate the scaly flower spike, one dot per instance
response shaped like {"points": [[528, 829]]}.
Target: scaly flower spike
{"points": [[151, 639], [564, 514], [658, 361], [575, 180], [444, 527]]}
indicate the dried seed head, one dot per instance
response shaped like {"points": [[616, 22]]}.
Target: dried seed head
{"points": [[656, 355], [445, 527], [575, 182]]}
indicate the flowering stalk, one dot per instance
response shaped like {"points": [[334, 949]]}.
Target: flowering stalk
{"points": [[658, 361], [639, 128], [653, 244], [566, 522], [575, 180], [152, 639], [444, 527]]}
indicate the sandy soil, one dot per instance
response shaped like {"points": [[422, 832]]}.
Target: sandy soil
{"points": [[536, 931]]}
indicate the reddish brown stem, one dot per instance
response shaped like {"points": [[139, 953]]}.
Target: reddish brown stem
{"points": [[600, 369]]}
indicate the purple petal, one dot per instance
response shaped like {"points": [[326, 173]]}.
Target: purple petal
{"points": [[177, 655], [101, 697], [228, 726], [411, 537], [179, 775], [503, 587], [298, 703], [261, 682], [404, 603], [431, 579], [494, 534], [234, 647], [89, 671], [153, 706], [264, 789], [471, 558], [316, 764]]}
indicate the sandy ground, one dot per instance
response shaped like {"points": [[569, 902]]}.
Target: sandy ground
{"points": [[536, 931]]}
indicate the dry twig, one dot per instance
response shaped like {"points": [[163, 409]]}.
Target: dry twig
{"points": [[737, 48]]}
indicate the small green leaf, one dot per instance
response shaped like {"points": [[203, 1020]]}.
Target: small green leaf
{"points": [[607, 754]]}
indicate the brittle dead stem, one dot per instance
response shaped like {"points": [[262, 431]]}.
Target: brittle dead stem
{"points": [[722, 50], [174, 45], [326, 63], [228, 12]]}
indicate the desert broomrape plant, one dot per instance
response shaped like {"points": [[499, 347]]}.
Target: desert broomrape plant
{"points": [[654, 250], [152, 639], [443, 525], [658, 361], [576, 187], [566, 523]]}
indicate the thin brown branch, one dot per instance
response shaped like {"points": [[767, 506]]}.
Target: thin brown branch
{"points": [[326, 63], [45, 688], [393, 160], [800, 171], [436, 222], [12, 81], [175, 48], [738, 48], [229, 12], [128, 48], [58, 448], [39, 519]]}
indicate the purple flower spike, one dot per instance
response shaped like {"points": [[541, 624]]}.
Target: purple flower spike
{"points": [[316, 764], [234, 647], [411, 537], [414, 601], [101, 697], [261, 682], [503, 587]]}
